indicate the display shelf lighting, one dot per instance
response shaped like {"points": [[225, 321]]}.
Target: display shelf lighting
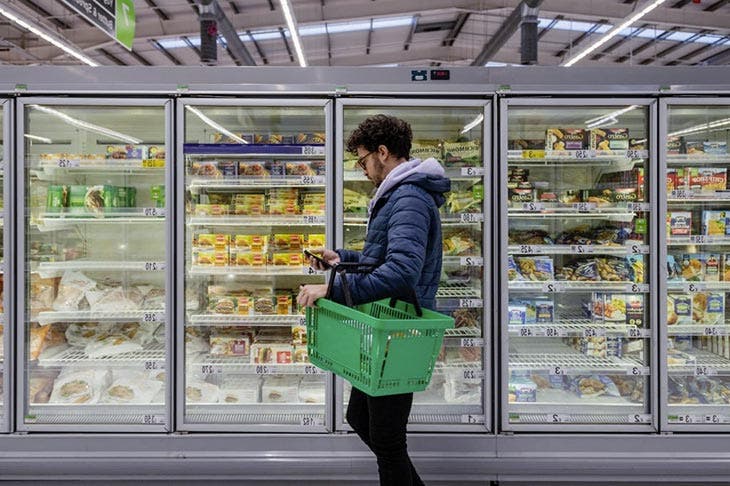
{"points": [[476, 121], [291, 23], [614, 32], [214, 124], [29, 25], [37, 138], [88, 126], [609, 118], [705, 127]]}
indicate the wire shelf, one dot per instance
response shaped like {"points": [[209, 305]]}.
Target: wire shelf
{"points": [[578, 327], [463, 332], [698, 330], [705, 364], [458, 292], [51, 268], [132, 414], [558, 358], [242, 320], [77, 357], [557, 286], [620, 250], [213, 365], [147, 315], [256, 221], [195, 184]]}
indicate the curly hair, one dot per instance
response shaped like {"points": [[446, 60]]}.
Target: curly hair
{"points": [[381, 129]]}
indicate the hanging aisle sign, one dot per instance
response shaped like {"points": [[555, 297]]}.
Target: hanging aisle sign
{"points": [[115, 18]]}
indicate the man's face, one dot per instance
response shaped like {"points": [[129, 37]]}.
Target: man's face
{"points": [[371, 164]]}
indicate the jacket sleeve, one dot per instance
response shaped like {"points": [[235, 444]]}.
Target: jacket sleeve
{"points": [[407, 234], [349, 256]]}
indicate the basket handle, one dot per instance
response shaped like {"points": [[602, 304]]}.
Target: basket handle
{"points": [[343, 268]]}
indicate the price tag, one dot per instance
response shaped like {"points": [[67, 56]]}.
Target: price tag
{"points": [[533, 154], [681, 194], [527, 249], [559, 418], [638, 371], [714, 419], [635, 332], [701, 239], [68, 163], [558, 371], [472, 171], [471, 303], [584, 207], [594, 332], [302, 321], [154, 365], [312, 150], [637, 288], [153, 212], [703, 370], [552, 287], [714, 331], [638, 206], [310, 219], [472, 261], [637, 249], [582, 249], [153, 317], [472, 217], [526, 332], [153, 419], [472, 419], [583, 154], [311, 180], [211, 369], [265, 370], [694, 287], [471, 374], [472, 342], [685, 419], [311, 271], [311, 422], [533, 207], [552, 332], [312, 370], [154, 266], [637, 154], [640, 418]]}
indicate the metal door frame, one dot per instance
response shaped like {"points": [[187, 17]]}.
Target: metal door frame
{"points": [[9, 222]]}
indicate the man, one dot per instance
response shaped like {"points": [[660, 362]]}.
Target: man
{"points": [[404, 242]]}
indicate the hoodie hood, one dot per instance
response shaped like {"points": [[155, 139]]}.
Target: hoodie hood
{"points": [[427, 174]]}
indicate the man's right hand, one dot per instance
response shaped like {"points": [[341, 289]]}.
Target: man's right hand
{"points": [[329, 256]]}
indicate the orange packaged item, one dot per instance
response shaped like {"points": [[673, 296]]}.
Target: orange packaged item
{"points": [[283, 304], [205, 258]]}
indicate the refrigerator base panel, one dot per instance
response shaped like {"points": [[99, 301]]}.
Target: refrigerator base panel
{"points": [[96, 414]]}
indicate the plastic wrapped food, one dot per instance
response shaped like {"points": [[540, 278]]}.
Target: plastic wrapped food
{"points": [[280, 389], [111, 345], [593, 386], [242, 390], [82, 333], [459, 390], [37, 337], [71, 290], [119, 299], [154, 298], [42, 293], [202, 392], [311, 390], [80, 386], [40, 388], [132, 387]]}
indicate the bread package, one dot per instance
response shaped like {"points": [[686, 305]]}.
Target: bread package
{"points": [[280, 389], [131, 388], [80, 386]]}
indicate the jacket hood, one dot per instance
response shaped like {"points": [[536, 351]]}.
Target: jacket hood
{"points": [[427, 174]]}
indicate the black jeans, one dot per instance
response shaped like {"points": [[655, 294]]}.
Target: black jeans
{"points": [[381, 424]]}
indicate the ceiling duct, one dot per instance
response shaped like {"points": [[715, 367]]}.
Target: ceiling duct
{"points": [[528, 26], [208, 33], [213, 20], [506, 30]]}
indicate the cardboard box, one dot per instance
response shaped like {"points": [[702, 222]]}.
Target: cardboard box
{"points": [[609, 139], [566, 139], [707, 179], [715, 223], [679, 223]]}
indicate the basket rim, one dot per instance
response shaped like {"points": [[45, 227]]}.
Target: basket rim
{"points": [[430, 320]]}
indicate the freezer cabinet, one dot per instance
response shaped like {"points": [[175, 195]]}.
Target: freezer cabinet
{"points": [[254, 195], [94, 284], [6, 380], [577, 223], [457, 134]]}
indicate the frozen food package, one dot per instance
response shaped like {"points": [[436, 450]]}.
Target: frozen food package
{"points": [[253, 169], [196, 341], [82, 386], [299, 168], [609, 139], [462, 154], [205, 169], [522, 390], [197, 391], [229, 344], [426, 149], [131, 387], [154, 298], [593, 386], [111, 345], [459, 390], [566, 139], [139, 332], [714, 223], [280, 389], [707, 179], [37, 337], [42, 293], [118, 299], [71, 290], [271, 353], [311, 390], [301, 354], [40, 387], [241, 390]]}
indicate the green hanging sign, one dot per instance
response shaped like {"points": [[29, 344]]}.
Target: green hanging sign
{"points": [[116, 18]]}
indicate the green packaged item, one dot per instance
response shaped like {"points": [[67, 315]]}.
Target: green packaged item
{"points": [[56, 198], [157, 194], [110, 197], [76, 199]]}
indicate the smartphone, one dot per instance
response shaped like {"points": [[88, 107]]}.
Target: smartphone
{"points": [[319, 259]]}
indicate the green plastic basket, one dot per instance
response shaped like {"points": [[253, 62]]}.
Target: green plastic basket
{"points": [[381, 350]]}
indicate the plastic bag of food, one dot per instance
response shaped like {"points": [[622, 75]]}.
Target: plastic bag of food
{"points": [[118, 299], [80, 386], [587, 386], [280, 389], [40, 388], [196, 341], [111, 345], [42, 294], [71, 290], [202, 392], [241, 390], [311, 390], [134, 387], [80, 334], [37, 336], [139, 332], [159, 334], [154, 298]]}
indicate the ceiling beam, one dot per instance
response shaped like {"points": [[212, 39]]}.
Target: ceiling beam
{"points": [[646, 45], [258, 48], [549, 26], [166, 53], [456, 29], [192, 46], [160, 13], [234, 7], [38, 10], [416, 54], [286, 44], [139, 58], [720, 58], [370, 38], [696, 52], [716, 5], [673, 48], [409, 39], [579, 40], [111, 57], [681, 3], [619, 42]]}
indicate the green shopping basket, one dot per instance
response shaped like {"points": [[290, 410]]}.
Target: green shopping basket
{"points": [[383, 348]]}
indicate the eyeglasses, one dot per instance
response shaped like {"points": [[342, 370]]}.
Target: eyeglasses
{"points": [[361, 160]]}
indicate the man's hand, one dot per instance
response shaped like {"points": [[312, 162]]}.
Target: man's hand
{"points": [[329, 256], [308, 294]]}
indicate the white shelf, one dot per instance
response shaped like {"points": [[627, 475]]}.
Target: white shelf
{"points": [[555, 356], [689, 287], [77, 357], [458, 293], [559, 210], [559, 286], [257, 221], [263, 271], [706, 364], [309, 415], [620, 250], [701, 199], [579, 328], [215, 365], [62, 221], [453, 173], [574, 157], [700, 240], [149, 315], [244, 320], [99, 413], [49, 269], [195, 184], [698, 330], [459, 219], [698, 158], [49, 170]]}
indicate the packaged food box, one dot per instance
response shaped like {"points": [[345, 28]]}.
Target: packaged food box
{"points": [[692, 267], [301, 354], [299, 168], [424, 150], [230, 344], [244, 305], [726, 267], [712, 267], [635, 310], [715, 148], [615, 308], [695, 148], [566, 139], [676, 179], [56, 198], [517, 314], [283, 303], [222, 304], [676, 145], [219, 241], [513, 272], [299, 334], [679, 223], [597, 309], [288, 241], [679, 309], [526, 144], [205, 169], [707, 179], [251, 242], [136, 152], [709, 308], [309, 138], [522, 390], [315, 240], [210, 210], [267, 353], [263, 304], [609, 139], [545, 312], [462, 154], [246, 258], [536, 268], [250, 168], [714, 223]]}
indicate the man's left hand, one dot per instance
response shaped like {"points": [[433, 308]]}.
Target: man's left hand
{"points": [[308, 294]]}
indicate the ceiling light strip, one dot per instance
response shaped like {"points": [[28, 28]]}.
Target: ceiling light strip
{"points": [[614, 32], [88, 126], [215, 125], [291, 23], [47, 36]]}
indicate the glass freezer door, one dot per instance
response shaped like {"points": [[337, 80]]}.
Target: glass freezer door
{"points": [[576, 235], [5, 381], [94, 285], [695, 151], [456, 133], [255, 197]]}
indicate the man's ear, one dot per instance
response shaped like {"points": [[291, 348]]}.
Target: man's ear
{"points": [[383, 152]]}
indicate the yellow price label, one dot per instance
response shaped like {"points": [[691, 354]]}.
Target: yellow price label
{"points": [[533, 154], [153, 163]]}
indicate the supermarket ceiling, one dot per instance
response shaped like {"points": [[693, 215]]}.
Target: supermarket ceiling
{"points": [[379, 33]]}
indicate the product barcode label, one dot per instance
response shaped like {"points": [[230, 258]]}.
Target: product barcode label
{"points": [[311, 421], [211, 369], [583, 154], [471, 303], [153, 317], [154, 266], [582, 249], [695, 287], [472, 171], [472, 342], [583, 207], [153, 419], [703, 370], [312, 150], [311, 180], [472, 261], [472, 217], [472, 419], [68, 163], [533, 206], [153, 212], [637, 154], [312, 370], [638, 371], [640, 418], [309, 219], [265, 370]]}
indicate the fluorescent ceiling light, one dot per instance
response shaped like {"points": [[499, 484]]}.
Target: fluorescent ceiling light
{"points": [[608, 118], [615, 31], [36, 138], [291, 23], [47, 36], [88, 126], [215, 125], [476, 121]]}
